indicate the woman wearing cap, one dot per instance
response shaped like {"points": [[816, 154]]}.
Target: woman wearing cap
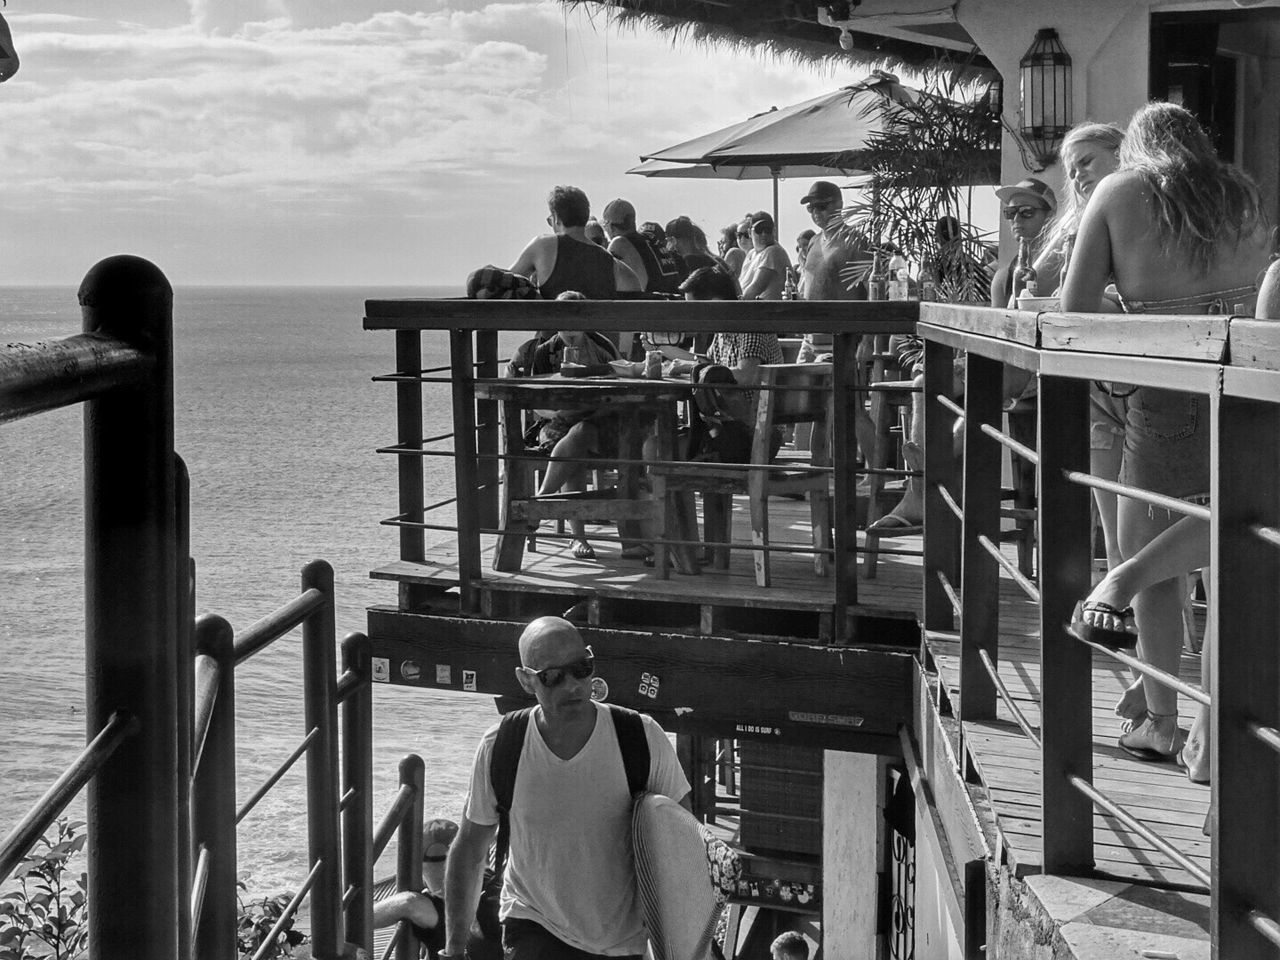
{"points": [[765, 272], [1181, 232]]}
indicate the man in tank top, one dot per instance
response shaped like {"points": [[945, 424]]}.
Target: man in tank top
{"points": [[659, 270], [566, 259]]}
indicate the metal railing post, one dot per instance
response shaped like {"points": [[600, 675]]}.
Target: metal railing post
{"points": [[1066, 674], [357, 787], [844, 460], [461, 357], [131, 620], [487, 430], [183, 579], [979, 572], [213, 796], [409, 469], [409, 848], [1244, 679], [942, 529], [321, 710]]}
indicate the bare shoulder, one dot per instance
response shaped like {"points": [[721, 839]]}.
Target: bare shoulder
{"points": [[1269, 294], [1121, 187]]}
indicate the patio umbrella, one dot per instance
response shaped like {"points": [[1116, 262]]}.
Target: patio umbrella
{"points": [[826, 136]]}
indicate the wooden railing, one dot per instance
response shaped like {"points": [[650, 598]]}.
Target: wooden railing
{"points": [[160, 762], [1236, 363], [472, 328]]}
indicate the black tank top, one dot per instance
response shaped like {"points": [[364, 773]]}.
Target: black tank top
{"points": [[665, 270], [582, 266]]}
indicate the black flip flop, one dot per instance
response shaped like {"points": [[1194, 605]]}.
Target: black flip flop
{"points": [[1103, 637]]}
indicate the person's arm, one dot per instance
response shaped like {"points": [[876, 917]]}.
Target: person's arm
{"points": [[1090, 266], [622, 250], [1000, 286], [527, 263], [1269, 294], [625, 279], [462, 881], [760, 282]]}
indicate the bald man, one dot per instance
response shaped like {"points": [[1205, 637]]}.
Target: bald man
{"points": [[660, 270], [569, 888]]}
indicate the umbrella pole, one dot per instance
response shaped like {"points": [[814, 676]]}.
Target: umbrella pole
{"points": [[777, 230]]}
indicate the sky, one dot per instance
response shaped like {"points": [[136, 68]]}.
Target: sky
{"points": [[355, 142]]}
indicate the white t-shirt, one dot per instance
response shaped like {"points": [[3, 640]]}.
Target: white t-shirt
{"points": [[774, 258], [570, 868]]}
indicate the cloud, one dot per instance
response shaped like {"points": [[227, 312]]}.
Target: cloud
{"points": [[263, 117]]}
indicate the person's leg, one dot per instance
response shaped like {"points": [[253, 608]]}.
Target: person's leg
{"points": [[1195, 754], [1156, 580], [909, 511], [577, 444]]}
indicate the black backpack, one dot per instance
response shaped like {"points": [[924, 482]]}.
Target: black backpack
{"points": [[505, 763]]}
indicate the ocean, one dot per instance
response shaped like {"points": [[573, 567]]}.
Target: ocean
{"points": [[277, 420]]}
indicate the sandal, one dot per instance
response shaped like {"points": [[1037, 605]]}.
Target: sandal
{"points": [[1103, 637], [583, 551], [1142, 742]]}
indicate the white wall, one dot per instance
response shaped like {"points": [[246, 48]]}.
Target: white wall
{"points": [[936, 937]]}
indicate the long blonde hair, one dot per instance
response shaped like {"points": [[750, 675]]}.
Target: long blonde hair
{"points": [[1071, 209], [1197, 200]]}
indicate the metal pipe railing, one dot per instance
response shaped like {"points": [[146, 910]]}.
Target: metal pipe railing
{"points": [[63, 790], [276, 624], [409, 848], [302, 748], [39, 377], [356, 699], [288, 913]]}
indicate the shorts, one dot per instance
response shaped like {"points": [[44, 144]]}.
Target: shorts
{"points": [[606, 428], [1108, 414], [1166, 443], [526, 940]]}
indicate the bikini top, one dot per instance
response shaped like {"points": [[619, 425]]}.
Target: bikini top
{"points": [[1219, 301]]}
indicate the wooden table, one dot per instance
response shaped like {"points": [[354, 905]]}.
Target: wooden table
{"points": [[632, 399]]}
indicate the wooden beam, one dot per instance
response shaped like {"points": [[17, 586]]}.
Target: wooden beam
{"points": [[820, 696]]}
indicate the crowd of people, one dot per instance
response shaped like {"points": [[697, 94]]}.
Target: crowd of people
{"points": [[1150, 221]]}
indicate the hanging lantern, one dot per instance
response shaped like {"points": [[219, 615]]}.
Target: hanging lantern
{"points": [[1045, 74]]}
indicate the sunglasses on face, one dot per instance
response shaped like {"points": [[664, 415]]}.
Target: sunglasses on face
{"points": [[554, 676], [1021, 213]]}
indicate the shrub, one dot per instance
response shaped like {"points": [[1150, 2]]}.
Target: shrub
{"points": [[256, 920], [47, 916]]}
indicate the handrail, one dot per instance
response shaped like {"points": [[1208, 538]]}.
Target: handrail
{"points": [[391, 820], [1068, 351], [287, 914], [63, 790], [1003, 690], [39, 377], [1109, 806], [208, 678], [199, 886], [279, 772], [276, 624]]}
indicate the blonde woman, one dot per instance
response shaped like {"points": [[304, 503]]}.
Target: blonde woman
{"points": [[1180, 232]]}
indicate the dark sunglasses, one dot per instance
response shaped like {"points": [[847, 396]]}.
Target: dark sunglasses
{"points": [[1021, 213], [579, 670]]}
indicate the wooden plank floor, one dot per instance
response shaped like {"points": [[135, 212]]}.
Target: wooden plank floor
{"points": [[1159, 794], [895, 591]]}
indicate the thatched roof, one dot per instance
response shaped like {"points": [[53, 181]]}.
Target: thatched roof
{"points": [[917, 34]]}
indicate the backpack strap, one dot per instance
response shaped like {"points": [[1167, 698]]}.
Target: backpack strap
{"points": [[503, 765], [634, 746]]}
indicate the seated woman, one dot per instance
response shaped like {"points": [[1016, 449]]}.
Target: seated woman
{"points": [[1182, 233], [741, 353], [574, 435]]}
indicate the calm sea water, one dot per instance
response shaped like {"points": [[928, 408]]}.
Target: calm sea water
{"points": [[277, 420]]}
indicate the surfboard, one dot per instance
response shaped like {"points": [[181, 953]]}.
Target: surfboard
{"points": [[678, 900]]}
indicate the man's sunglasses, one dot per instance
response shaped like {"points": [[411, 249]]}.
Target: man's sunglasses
{"points": [[554, 676], [1021, 213]]}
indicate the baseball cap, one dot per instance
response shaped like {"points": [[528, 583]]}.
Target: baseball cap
{"points": [[1029, 190], [823, 191], [436, 837]]}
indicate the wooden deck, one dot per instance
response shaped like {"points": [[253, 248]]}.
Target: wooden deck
{"points": [[1159, 794], [624, 591]]}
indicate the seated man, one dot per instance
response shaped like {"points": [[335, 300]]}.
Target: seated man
{"points": [[566, 259], [425, 910]]}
